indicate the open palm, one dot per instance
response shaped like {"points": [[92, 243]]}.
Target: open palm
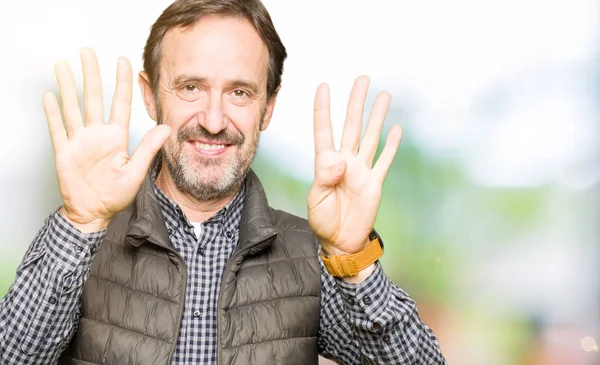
{"points": [[96, 176], [345, 194]]}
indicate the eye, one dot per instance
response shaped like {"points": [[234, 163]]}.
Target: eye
{"points": [[189, 92], [240, 93]]}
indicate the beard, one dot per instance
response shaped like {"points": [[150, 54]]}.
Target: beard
{"points": [[204, 178]]}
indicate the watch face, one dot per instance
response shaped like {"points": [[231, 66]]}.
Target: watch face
{"points": [[374, 235]]}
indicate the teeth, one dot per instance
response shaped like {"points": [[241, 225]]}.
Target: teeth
{"points": [[208, 147]]}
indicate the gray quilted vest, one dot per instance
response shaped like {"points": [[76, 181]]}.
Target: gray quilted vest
{"points": [[132, 303]]}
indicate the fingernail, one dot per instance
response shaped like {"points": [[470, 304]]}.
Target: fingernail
{"points": [[337, 167]]}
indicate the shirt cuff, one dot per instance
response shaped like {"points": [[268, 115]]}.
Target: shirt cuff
{"points": [[66, 245], [369, 300]]}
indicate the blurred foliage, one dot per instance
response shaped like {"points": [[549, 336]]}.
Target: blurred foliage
{"points": [[431, 219], [427, 204]]}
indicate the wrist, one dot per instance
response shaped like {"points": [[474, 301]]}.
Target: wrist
{"points": [[332, 250], [84, 225], [361, 276], [358, 265]]}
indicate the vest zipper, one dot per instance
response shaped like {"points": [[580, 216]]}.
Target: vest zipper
{"points": [[182, 305], [226, 272]]}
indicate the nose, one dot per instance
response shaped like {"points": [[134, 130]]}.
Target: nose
{"points": [[213, 117]]}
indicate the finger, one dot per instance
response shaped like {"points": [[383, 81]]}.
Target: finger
{"points": [[120, 111], [329, 176], [68, 93], [389, 151], [58, 135], [92, 88], [145, 151], [322, 121], [370, 141], [354, 114]]}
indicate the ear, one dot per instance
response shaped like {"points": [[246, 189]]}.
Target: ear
{"points": [[269, 110], [148, 95]]}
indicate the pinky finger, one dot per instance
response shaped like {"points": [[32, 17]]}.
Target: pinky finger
{"points": [[389, 152], [55, 123]]}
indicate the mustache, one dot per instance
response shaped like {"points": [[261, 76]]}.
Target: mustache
{"points": [[199, 132]]}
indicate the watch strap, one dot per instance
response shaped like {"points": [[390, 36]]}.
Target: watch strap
{"points": [[352, 264]]}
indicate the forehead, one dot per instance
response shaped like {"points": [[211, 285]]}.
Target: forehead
{"points": [[216, 48]]}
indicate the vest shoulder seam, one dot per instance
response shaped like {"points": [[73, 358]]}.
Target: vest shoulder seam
{"points": [[274, 300], [274, 340], [132, 289], [148, 252], [292, 228], [276, 261], [125, 328], [80, 360]]}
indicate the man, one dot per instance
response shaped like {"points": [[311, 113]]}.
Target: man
{"points": [[175, 257]]}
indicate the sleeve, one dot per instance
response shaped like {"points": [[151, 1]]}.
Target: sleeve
{"points": [[374, 322], [40, 312]]}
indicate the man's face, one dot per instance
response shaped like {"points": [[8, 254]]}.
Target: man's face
{"points": [[212, 92]]}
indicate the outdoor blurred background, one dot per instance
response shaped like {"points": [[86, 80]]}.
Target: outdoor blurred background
{"points": [[490, 211]]}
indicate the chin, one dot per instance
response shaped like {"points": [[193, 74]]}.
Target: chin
{"points": [[209, 178], [218, 177]]}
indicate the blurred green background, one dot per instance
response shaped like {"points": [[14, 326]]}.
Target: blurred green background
{"points": [[490, 211]]}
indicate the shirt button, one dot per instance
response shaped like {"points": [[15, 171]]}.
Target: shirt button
{"points": [[350, 300], [367, 300], [229, 234], [196, 314], [201, 251], [386, 339], [52, 300], [78, 249]]}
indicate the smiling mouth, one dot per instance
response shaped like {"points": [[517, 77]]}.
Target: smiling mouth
{"points": [[209, 149], [208, 146]]}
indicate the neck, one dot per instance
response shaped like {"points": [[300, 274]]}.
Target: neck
{"points": [[194, 209]]}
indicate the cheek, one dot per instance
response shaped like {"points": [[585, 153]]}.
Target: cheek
{"points": [[177, 113], [245, 120]]}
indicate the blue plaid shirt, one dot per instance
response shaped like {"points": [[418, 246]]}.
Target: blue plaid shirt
{"points": [[374, 322]]}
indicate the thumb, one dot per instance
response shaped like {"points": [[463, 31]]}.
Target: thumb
{"points": [[329, 176], [145, 151]]}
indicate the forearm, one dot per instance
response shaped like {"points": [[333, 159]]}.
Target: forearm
{"points": [[384, 324], [40, 313]]}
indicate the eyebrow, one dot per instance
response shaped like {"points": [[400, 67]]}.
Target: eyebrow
{"points": [[232, 84], [185, 79]]}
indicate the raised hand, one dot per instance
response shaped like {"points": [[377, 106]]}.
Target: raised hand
{"points": [[96, 176], [345, 194]]}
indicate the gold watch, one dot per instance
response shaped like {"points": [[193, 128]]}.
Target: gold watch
{"points": [[352, 264]]}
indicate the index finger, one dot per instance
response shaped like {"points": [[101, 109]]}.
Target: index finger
{"points": [[354, 114], [120, 111], [58, 135], [322, 121], [92, 87]]}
